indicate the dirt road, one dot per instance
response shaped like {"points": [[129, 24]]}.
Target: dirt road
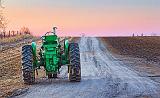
{"points": [[103, 76]]}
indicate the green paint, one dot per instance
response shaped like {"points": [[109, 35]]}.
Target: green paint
{"points": [[50, 53], [34, 54]]}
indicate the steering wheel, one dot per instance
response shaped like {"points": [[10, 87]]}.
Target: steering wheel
{"points": [[49, 33], [54, 31]]}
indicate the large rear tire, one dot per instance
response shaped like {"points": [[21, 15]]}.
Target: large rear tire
{"points": [[74, 69], [27, 65]]}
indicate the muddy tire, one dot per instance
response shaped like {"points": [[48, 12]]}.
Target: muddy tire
{"points": [[27, 65], [74, 69]]}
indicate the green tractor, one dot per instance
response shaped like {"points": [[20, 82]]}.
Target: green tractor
{"points": [[51, 56]]}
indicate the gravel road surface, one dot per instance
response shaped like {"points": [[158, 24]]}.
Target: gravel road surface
{"points": [[103, 76]]}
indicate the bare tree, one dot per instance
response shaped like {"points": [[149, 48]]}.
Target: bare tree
{"points": [[25, 30], [3, 22]]}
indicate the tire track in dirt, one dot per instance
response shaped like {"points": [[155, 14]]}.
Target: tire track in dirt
{"points": [[122, 81]]}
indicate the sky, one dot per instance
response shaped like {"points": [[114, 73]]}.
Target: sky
{"points": [[90, 17]]}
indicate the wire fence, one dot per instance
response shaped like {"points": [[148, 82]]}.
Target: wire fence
{"points": [[11, 34]]}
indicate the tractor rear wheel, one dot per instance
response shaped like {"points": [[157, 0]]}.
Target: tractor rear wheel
{"points": [[27, 65], [74, 69]]}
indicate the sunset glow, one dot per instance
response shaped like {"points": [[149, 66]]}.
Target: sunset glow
{"points": [[92, 17]]}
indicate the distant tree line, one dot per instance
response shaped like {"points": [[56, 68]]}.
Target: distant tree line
{"points": [[142, 34]]}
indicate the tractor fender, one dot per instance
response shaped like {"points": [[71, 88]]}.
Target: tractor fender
{"points": [[66, 48], [34, 53]]}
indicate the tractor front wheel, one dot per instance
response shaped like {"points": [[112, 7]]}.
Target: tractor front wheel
{"points": [[74, 69], [27, 65]]}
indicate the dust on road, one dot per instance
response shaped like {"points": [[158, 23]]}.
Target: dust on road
{"points": [[103, 76]]}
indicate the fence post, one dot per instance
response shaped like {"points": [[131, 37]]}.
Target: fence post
{"points": [[17, 33], [133, 35], [1, 36], [142, 34], [12, 33], [9, 34], [4, 34]]}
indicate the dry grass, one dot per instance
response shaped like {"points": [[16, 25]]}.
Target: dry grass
{"points": [[10, 64], [14, 39], [142, 47], [10, 70]]}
